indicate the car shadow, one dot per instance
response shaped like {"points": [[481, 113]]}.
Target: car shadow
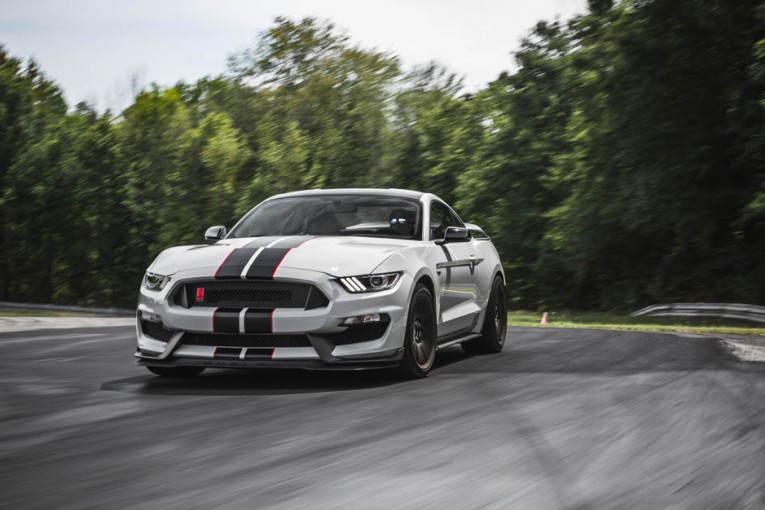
{"points": [[222, 382], [449, 356]]}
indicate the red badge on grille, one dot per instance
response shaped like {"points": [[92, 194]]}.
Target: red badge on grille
{"points": [[200, 293]]}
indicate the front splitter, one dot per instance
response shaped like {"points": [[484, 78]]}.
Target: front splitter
{"points": [[307, 364]]}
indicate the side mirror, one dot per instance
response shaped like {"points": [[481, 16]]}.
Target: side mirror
{"points": [[454, 235], [215, 233]]}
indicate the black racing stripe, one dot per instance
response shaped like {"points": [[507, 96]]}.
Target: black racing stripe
{"points": [[259, 354], [226, 320], [448, 280], [227, 353], [283, 242], [261, 242], [267, 262], [233, 265], [257, 321]]}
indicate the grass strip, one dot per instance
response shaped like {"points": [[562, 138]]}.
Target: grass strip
{"points": [[623, 321]]}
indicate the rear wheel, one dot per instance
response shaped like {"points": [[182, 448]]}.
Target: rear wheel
{"points": [[179, 372], [420, 340], [494, 331]]}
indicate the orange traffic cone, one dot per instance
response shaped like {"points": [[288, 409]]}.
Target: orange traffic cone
{"points": [[544, 321]]}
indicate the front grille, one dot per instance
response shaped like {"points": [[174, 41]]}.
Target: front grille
{"points": [[358, 333], [156, 330], [251, 294], [222, 340]]}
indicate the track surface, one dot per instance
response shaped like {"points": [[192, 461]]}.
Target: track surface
{"points": [[568, 419]]}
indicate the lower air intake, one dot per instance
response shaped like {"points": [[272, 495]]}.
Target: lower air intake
{"points": [[358, 333], [223, 340], [156, 331]]}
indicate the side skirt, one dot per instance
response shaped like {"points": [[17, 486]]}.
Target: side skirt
{"points": [[457, 340]]}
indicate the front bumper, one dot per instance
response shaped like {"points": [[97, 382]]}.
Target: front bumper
{"points": [[318, 328]]}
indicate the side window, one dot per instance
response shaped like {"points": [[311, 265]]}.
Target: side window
{"points": [[455, 220], [441, 218]]}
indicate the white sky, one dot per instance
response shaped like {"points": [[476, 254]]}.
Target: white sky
{"points": [[92, 48]]}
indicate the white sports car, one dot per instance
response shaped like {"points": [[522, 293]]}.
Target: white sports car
{"points": [[325, 279]]}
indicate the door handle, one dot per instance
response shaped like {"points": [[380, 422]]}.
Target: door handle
{"points": [[474, 261]]}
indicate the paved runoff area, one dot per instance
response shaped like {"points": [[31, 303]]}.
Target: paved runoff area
{"points": [[562, 419], [14, 324]]}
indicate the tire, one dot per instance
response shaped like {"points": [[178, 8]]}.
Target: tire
{"points": [[420, 338], [179, 372], [494, 330]]}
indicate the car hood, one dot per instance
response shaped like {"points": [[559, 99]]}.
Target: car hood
{"points": [[336, 256]]}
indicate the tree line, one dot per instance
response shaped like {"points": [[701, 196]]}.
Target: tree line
{"points": [[621, 163]]}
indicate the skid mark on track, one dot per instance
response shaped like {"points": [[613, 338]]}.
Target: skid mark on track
{"points": [[557, 476]]}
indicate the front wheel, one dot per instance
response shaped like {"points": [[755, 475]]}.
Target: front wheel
{"points": [[420, 339], [494, 331], [179, 372]]}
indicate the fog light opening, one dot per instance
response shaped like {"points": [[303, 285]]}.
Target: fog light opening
{"points": [[148, 316], [364, 319]]}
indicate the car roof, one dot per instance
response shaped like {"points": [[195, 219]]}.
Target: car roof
{"points": [[403, 193]]}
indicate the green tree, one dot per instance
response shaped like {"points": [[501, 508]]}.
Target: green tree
{"points": [[621, 163], [661, 164], [29, 102], [508, 188], [324, 123], [435, 132]]}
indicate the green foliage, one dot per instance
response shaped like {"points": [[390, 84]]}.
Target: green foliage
{"points": [[661, 159], [28, 104], [624, 322], [622, 162]]}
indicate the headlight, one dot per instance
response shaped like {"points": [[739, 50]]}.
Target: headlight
{"points": [[370, 283], [154, 281]]}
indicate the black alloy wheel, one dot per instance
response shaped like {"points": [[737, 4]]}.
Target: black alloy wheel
{"points": [[494, 330], [420, 340]]}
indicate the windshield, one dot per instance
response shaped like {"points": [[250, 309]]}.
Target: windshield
{"points": [[334, 215]]}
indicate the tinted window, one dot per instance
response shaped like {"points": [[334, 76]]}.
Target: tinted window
{"points": [[442, 217], [334, 215]]}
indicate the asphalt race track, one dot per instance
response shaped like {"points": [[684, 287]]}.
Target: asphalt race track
{"points": [[569, 419]]}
